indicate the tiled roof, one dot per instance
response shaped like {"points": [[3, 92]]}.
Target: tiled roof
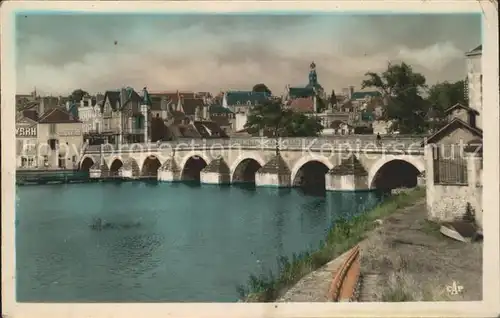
{"points": [[31, 114], [114, 97], [458, 105], [57, 116], [349, 166], [363, 95], [246, 97], [303, 105], [451, 126], [296, 92], [173, 97], [185, 131], [476, 51], [191, 104], [209, 129]]}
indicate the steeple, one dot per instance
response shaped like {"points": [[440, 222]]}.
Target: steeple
{"points": [[313, 77], [146, 99]]}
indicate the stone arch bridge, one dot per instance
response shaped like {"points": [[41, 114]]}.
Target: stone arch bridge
{"points": [[332, 163]]}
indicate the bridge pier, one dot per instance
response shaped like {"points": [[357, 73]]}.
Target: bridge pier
{"points": [[169, 171], [275, 173], [98, 171], [217, 172], [350, 175]]}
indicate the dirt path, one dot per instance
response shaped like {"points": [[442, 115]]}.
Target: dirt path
{"points": [[405, 258]]}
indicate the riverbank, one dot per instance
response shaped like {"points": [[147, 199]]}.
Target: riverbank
{"points": [[408, 259], [343, 235]]}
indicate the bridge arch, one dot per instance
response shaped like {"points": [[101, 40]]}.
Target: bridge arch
{"points": [[310, 170], [192, 164], [245, 166], [116, 164], [150, 166], [86, 163], [391, 172]]}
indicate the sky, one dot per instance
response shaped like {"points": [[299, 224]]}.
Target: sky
{"points": [[60, 53]]}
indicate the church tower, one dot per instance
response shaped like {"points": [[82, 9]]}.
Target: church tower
{"points": [[313, 77]]}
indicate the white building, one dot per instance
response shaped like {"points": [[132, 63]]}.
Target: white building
{"points": [[475, 82], [26, 143], [89, 113]]}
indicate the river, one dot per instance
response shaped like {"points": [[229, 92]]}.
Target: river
{"points": [[166, 242]]}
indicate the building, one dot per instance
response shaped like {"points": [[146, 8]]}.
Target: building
{"points": [[240, 103], [89, 113], [26, 142], [309, 95], [475, 82], [125, 116], [453, 156], [224, 117], [62, 134]]}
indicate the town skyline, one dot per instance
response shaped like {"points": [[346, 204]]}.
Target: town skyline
{"points": [[233, 52]]}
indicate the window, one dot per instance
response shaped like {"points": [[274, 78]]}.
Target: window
{"points": [[24, 161], [74, 159], [52, 128], [450, 166]]}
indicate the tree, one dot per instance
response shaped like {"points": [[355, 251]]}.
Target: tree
{"points": [[444, 95], [333, 98], [320, 105], [77, 95], [261, 88], [301, 125], [401, 88], [276, 121]]}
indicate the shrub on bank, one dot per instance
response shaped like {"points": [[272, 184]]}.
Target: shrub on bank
{"points": [[343, 235]]}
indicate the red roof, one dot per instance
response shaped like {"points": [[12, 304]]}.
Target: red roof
{"points": [[303, 105]]}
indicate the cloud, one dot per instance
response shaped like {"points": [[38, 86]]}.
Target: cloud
{"points": [[434, 57], [57, 54]]}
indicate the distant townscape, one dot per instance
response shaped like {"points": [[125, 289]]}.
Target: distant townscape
{"points": [[127, 115]]}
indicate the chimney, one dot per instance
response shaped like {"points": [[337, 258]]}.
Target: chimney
{"points": [[41, 106], [351, 91], [123, 96], [205, 112]]}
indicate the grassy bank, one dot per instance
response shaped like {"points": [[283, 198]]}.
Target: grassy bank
{"points": [[342, 236], [409, 259]]}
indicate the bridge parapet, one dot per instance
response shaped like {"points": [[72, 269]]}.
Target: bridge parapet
{"points": [[313, 143]]}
